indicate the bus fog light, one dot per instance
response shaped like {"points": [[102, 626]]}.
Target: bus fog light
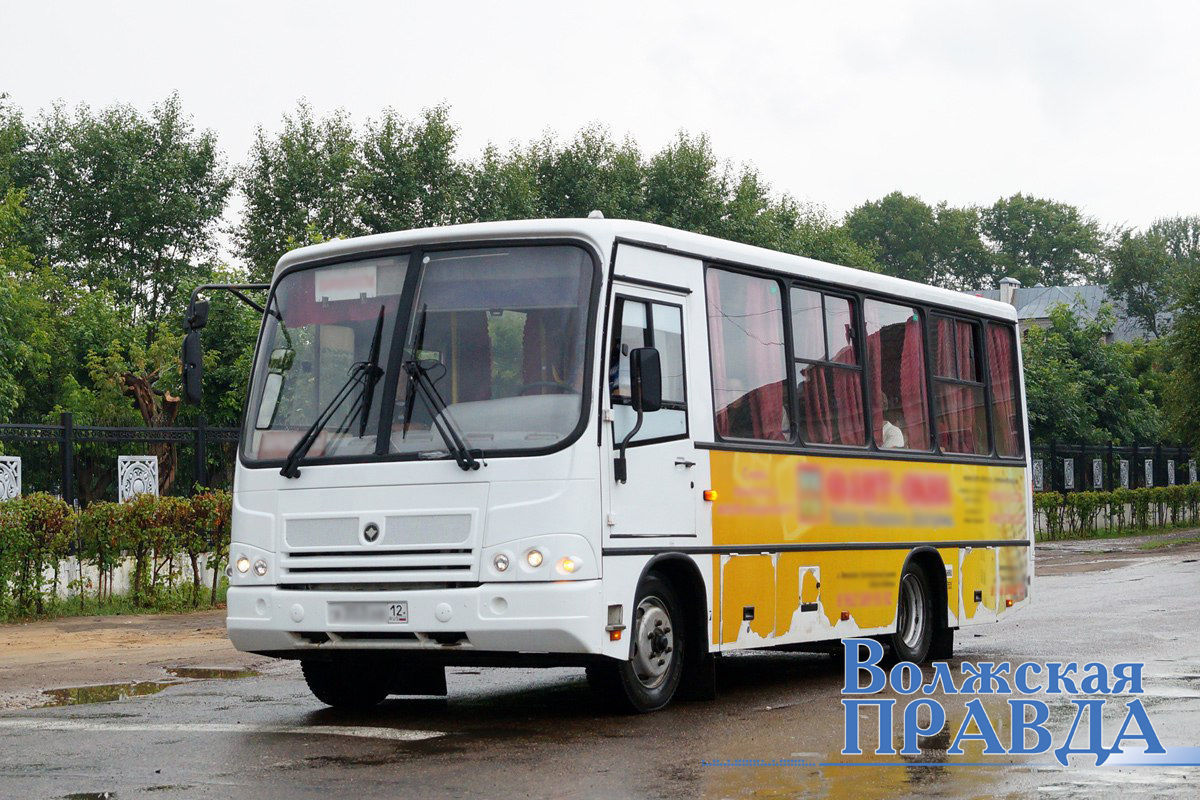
{"points": [[567, 565], [243, 564], [534, 558], [500, 562], [260, 568]]}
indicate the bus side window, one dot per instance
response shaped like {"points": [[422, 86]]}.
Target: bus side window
{"points": [[1006, 406], [637, 323], [896, 376]]}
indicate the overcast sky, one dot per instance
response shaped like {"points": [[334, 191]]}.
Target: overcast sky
{"points": [[1093, 103]]}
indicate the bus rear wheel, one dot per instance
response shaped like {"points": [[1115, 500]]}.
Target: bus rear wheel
{"points": [[650, 678], [350, 684], [914, 617]]}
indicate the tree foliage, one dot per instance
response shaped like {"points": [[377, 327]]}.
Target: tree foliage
{"points": [[109, 217], [1080, 389], [126, 200], [1036, 240]]}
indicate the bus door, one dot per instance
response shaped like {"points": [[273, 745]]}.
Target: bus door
{"points": [[658, 499]]}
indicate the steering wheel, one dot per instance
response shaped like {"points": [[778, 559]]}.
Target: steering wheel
{"points": [[562, 388]]}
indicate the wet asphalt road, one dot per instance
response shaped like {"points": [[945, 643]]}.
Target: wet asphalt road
{"points": [[541, 733]]}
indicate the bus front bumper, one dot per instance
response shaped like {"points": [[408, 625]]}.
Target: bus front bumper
{"points": [[547, 617]]}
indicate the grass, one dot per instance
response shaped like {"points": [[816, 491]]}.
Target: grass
{"points": [[176, 600], [1120, 533], [1161, 543]]}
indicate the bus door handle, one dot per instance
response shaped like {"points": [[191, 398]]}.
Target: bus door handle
{"points": [[683, 462]]}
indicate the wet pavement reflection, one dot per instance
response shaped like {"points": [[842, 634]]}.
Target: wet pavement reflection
{"points": [[542, 733]]}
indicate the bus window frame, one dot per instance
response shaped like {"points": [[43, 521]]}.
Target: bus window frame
{"points": [[981, 368], [1018, 375], [619, 300], [859, 353], [400, 335], [871, 450]]}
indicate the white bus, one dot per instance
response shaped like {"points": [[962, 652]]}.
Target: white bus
{"points": [[615, 445]]}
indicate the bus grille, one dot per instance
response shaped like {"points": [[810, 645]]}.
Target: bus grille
{"points": [[379, 566]]}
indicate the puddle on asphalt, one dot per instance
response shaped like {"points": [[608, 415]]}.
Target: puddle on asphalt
{"points": [[107, 693], [89, 796], [200, 673]]}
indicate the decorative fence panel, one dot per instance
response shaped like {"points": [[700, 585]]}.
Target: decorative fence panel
{"points": [[79, 462], [1059, 467]]}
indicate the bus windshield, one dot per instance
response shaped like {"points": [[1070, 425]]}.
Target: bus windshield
{"points": [[491, 346]]}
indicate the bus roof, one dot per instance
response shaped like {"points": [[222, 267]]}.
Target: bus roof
{"points": [[603, 232]]}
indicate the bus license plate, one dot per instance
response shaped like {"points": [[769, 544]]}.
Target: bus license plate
{"points": [[354, 613]]}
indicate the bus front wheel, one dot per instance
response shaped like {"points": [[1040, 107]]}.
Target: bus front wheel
{"points": [[351, 684], [914, 617], [649, 679]]}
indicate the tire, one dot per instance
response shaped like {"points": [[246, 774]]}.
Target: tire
{"points": [[915, 620], [349, 684], [647, 681]]}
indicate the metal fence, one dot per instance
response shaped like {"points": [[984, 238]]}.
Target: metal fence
{"points": [[79, 462], [1062, 467]]}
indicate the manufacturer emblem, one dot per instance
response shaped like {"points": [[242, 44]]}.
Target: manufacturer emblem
{"points": [[371, 532]]}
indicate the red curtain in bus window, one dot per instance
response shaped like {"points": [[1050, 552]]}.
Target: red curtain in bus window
{"points": [[747, 355], [913, 398], [472, 348], [546, 356], [966, 396], [764, 327], [950, 398], [847, 391], [818, 415], [1004, 390], [874, 363]]}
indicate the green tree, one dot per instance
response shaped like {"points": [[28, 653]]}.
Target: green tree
{"points": [[298, 188], [1080, 389], [1142, 277], [902, 231], [501, 186], [408, 176], [14, 141], [126, 200], [1183, 385], [1181, 236], [910, 239], [1042, 241], [25, 336], [591, 172]]}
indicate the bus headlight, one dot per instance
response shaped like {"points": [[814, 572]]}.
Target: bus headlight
{"points": [[243, 564], [260, 568], [568, 565], [500, 562], [534, 558]]}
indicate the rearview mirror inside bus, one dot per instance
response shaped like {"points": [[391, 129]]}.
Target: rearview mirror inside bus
{"points": [[277, 366], [193, 367], [646, 378]]}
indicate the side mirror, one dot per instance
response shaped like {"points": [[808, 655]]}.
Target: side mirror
{"points": [[193, 367], [645, 374], [197, 315]]}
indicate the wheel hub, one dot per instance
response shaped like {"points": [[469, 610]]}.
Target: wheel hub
{"points": [[654, 643]]}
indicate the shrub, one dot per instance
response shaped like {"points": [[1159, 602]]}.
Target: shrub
{"points": [[1088, 513], [38, 531]]}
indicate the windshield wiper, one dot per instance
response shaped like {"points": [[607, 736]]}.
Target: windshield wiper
{"points": [[364, 373], [421, 384]]}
